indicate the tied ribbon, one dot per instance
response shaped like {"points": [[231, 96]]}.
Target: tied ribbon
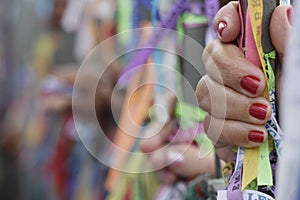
{"points": [[212, 7], [256, 160], [254, 163], [234, 187], [188, 114], [226, 171], [125, 10], [256, 13], [269, 71], [264, 168], [169, 22], [136, 105], [253, 37]]}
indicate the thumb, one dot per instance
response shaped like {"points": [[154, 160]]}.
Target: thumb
{"points": [[160, 138], [280, 27], [227, 22], [183, 160], [189, 164]]}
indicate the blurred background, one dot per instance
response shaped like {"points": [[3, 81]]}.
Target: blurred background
{"points": [[42, 45]]}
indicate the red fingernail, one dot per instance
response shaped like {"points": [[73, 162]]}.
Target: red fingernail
{"points": [[221, 26], [250, 84], [256, 136], [258, 111]]}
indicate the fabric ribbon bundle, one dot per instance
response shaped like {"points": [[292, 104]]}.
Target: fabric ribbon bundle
{"points": [[254, 174], [187, 17]]}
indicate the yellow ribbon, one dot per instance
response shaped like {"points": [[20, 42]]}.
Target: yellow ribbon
{"points": [[251, 157]]}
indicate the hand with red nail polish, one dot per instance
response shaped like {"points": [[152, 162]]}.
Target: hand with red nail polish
{"points": [[231, 91]]}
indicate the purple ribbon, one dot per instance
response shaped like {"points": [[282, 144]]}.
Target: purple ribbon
{"points": [[168, 23], [235, 185], [212, 7], [197, 9], [235, 182]]}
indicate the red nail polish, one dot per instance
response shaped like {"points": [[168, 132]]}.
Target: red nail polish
{"points": [[258, 111], [221, 26], [256, 136], [250, 84]]}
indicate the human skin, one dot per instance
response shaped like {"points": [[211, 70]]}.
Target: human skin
{"points": [[161, 154], [241, 83]]}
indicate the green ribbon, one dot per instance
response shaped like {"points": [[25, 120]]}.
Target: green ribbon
{"points": [[270, 73], [124, 18], [188, 114], [188, 18]]}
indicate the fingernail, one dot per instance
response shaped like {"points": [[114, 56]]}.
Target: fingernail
{"points": [[221, 26], [250, 84], [258, 111], [256, 136], [290, 14]]}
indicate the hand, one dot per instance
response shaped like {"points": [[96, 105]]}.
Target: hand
{"points": [[231, 92], [59, 101], [176, 161]]}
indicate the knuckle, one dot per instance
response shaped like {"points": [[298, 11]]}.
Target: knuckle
{"points": [[216, 59], [202, 94], [209, 52], [206, 123], [207, 129]]}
